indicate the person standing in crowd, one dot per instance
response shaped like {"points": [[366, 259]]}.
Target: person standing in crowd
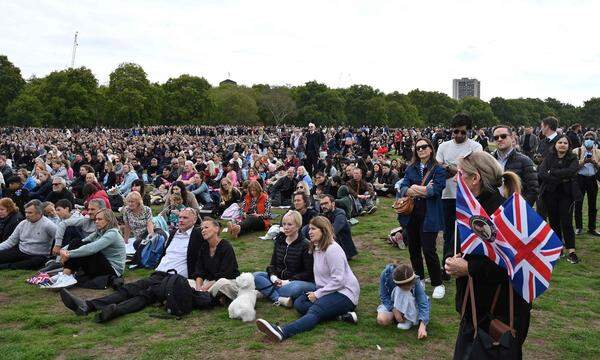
{"points": [[482, 139], [290, 273], [28, 246], [574, 135], [484, 176], [424, 182], [448, 154], [314, 141], [548, 130], [589, 168], [529, 142], [512, 160], [560, 191], [337, 288]]}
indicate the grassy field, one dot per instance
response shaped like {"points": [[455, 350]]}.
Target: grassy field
{"points": [[565, 321]]}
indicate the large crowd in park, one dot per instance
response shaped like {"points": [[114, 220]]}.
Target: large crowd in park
{"points": [[76, 208]]}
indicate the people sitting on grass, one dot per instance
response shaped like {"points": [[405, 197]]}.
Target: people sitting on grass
{"points": [[216, 267], [10, 217], [15, 191], [255, 212], [44, 186], [137, 218], [302, 204], [73, 225], [100, 255], [290, 273], [362, 191], [60, 191], [229, 195], [181, 253], [189, 200], [28, 247], [341, 227], [49, 211], [201, 191], [403, 299], [281, 191], [171, 213], [337, 289]]}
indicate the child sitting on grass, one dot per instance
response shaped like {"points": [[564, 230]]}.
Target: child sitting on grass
{"points": [[171, 213], [403, 299]]}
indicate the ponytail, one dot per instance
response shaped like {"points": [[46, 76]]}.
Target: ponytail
{"points": [[511, 183]]}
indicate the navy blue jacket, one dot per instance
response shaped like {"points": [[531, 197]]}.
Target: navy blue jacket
{"points": [[434, 217]]}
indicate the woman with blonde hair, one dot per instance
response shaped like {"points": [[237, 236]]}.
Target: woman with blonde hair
{"points": [[484, 177], [337, 288], [137, 218]]}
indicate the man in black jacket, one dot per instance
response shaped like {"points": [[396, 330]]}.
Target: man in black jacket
{"points": [[341, 226], [314, 141], [137, 295], [548, 126], [520, 164], [59, 191], [283, 189]]}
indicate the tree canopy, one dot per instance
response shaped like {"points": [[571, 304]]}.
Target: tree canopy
{"points": [[73, 97]]}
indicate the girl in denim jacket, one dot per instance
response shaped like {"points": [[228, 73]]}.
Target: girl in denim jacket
{"points": [[403, 299]]}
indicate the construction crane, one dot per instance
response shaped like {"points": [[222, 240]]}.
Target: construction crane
{"points": [[75, 44]]}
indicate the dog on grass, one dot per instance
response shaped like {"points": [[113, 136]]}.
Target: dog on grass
{"points": [[243, 305]]}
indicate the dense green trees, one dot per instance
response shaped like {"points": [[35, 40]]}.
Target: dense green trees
{"points": [[72, 97]]}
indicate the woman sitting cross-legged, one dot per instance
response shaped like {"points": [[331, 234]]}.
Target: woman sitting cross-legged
{"points": [[337, 288], [290, 273], [101, 254], [403, 299]]}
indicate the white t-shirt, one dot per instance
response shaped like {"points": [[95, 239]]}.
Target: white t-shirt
{"points": [[176, 255], [448, 153]]}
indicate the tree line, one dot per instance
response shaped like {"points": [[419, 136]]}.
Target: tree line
{"points": [[73, 97]]}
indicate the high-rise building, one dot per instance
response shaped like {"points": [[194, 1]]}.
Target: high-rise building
{"points": [[465, 87]]}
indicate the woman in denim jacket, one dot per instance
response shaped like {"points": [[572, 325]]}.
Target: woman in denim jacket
{"points": [[403, 278]]}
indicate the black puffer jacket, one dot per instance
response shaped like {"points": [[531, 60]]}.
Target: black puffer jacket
{"points": [[8, 224], [291, 262], [523, 166], [558, 175]]}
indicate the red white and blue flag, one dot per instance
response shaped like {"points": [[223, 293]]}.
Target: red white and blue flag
{"points": [[515, 237]]}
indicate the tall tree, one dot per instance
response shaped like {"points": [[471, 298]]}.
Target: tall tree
{"points": [[234, 105], [590, 113], [186, 100], [11, 84], [480, 111], [435, 108], [276, 105]]}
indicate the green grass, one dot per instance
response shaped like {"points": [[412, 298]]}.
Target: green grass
{"points": [[34, 324]]}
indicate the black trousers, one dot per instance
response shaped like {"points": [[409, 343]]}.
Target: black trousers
{"points": [[310, 162], [420, 241], [72, 233], [252, 223], [14, 258], [589, 186], [560, 216], [137, 295], [92, 265]]}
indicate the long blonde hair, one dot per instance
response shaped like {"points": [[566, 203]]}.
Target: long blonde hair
{"points": [[492, 175]]}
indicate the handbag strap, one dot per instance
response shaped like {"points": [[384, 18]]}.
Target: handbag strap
{"points": [[511, 305], [427, 174], [471, 294]]}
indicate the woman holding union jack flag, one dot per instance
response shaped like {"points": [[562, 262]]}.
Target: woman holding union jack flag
{"points": [[483, 176]]}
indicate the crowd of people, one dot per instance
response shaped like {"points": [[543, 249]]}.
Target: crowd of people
{"points": [[76, 201]]}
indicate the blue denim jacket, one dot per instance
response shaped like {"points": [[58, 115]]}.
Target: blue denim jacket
{"points": [[387, 285], [434, 217]]}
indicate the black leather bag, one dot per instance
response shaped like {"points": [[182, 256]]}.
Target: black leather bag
{"points": [[473, 342]]}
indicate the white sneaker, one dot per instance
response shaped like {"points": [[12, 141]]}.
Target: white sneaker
{"points": [[406, 325], [64, 281], [439, 292]]}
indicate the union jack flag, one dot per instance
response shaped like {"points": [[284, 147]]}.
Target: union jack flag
{"points": [[515, 237]]}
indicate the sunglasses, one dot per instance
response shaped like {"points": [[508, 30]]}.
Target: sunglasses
{"points": [[501, 136], [458, 131], [56, 184], [422, 147]]}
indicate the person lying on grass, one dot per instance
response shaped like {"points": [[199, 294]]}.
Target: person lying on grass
{"points": [[337, 291], [403, 299]]}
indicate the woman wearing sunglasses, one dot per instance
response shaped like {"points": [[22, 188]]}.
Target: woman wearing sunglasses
{"points": [[424, 181]]}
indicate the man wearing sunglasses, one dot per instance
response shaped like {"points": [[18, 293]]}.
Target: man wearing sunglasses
{"points": [[447, 155], [515, 161]]}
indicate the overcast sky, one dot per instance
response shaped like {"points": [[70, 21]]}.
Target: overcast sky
{"points": [[532, 48]]}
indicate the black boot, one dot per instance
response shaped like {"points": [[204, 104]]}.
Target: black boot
{"points": [[109, 312], [74, 303]]}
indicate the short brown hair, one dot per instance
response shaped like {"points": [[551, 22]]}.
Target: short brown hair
{"points": [[321, 223]]}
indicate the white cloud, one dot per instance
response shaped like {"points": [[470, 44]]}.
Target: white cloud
{"points": [[516, 48]]}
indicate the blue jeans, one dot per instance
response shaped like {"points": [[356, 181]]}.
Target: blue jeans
{"points": [[327, 307], [294, 289], [450, 218]]}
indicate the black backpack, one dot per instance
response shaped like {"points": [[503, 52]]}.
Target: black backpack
{"points": [[176, 294]]}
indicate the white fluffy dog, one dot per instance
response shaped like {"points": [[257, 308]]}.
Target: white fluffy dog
{"points": [[243, 305]]}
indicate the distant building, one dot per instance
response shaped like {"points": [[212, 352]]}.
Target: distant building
{"points": [[227, 82], [466, 87]]}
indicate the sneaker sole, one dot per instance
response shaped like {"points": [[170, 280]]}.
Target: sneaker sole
{"points": [[354, 317], [268, 330]]}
